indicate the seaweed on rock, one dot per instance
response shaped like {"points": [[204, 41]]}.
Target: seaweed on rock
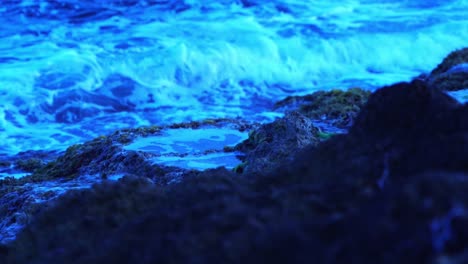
{"points": [[277, 142], [337, 107], [391, 190], [326, 205]]}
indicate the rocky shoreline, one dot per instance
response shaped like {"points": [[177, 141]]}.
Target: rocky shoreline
{"points": [[344, 176]]}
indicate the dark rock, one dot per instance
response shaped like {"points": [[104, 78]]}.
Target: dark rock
{"points": [[404, 109], [3, 253], [277, 142], [237, 221], [452, 73], [29, 165], [211, 217], [336, 107], [416, 221], [95, 218], [26, 161], [453, 59], [392, 190], [405, 128], [101, 155]]}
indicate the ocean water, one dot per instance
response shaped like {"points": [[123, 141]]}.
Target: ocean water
{"points": [[72, 70]]}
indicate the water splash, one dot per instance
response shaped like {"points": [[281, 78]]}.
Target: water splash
{"points": [[72, 70]]}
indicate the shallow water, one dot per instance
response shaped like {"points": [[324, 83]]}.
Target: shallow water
{"points": [[192, 148], [72, 70]]}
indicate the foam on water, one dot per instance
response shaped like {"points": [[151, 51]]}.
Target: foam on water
{"points": [[72, 70]]}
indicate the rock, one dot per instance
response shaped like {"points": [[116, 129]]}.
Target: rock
{"points": [[404, 129], [29, 165], [392, 190], [235, 220], [455, 58], [419, 220], [99, 156], [404, 109], [452, 73], [105, 158], [25, 163], [277, 142], [336, 107]]}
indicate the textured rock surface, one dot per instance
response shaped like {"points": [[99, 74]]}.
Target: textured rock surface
{"points": [[277, 142], [403, 129], [393, 190], [336, 107], [47, 176], [309, 120]]}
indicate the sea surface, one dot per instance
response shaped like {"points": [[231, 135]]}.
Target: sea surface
{"points": [[71, 70]]}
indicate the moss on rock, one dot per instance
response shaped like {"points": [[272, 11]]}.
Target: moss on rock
{"points": [[337, 107], [277, 142], [29, 165], [75, 157], [99, 156], [392, 190]]}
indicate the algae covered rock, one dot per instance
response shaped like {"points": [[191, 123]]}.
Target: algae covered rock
{"points": [[277, 142], [99, 156], [29, 165], [106, 206], [239, 220], [336, 107], [212, 217], [105, 158], [280, 140], [452, 73], [403, 129], [85, 219], [392, 190]]}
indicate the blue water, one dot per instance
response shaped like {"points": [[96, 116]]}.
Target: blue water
{"points": [[71, 70]]}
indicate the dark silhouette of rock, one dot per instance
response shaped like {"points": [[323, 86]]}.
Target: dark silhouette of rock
{"points": [[403, 129], [452, 73]]}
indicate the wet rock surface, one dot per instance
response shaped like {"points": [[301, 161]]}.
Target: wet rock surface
{"points": [[276, 142], [403, 129], [308, 120], [337, 108], [41, 177], [393, 189]]}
